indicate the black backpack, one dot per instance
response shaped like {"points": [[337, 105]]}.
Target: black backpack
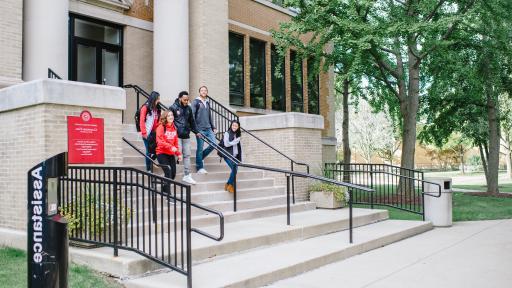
{"points": [[136, 117]]}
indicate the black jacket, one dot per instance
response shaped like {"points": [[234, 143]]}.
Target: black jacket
{"points": [[183, 119]]}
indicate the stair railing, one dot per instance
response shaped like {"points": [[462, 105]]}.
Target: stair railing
{"points": [[395, 186], [288, 173], [112, 206]]}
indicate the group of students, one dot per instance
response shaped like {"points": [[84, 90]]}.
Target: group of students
{"points": [[172, 128]]}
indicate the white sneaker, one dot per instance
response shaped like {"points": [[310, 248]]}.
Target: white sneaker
{"points": [[188, 179], [202, 171]]}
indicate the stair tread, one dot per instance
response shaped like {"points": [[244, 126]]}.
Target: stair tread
{"points": [[276, 260]]}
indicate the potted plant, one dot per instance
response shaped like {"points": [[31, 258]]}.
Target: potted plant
{"points": [[327, 195]]}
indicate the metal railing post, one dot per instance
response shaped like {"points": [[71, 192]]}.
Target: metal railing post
{"points": [[189, 238], [293, 184], [234, 188], [288, 199], [116, 228], [350, 214], [371, 186]]}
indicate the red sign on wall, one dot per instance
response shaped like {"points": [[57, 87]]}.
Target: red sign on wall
{"points": [[85, 139]]}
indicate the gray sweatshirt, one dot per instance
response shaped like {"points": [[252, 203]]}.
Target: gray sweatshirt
{"points": [[202, 114]]}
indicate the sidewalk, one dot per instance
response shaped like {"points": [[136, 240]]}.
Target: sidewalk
{"points": [[469, 254]]}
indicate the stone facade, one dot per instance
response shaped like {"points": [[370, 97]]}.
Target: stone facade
{"points": [[38, 130], [209, 46], [305, 146], [11, 37], [137, 66]]}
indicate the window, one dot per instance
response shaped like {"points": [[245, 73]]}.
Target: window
{"points": [[236, 69], [278, 82], [258, 74], [96, 51], [296, 82], [313, 89]]}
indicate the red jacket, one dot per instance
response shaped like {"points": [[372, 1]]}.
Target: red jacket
{"points": [[142, 123], [166, 141]]}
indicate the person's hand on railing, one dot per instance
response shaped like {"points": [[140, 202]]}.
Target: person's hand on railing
{"points": [[199, 135]]}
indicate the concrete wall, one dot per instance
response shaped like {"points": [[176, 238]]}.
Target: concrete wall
{"points": [[34, 115], [11, 37], [297, 135]]}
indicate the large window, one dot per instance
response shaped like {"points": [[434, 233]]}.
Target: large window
{"points": [[96, 51], [236, 69], [278, 82], [296, 82], [313, 89], [258, 74]]}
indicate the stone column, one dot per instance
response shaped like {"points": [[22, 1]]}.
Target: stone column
{"points": [[45, 38], [209, 48], [171, 48]]}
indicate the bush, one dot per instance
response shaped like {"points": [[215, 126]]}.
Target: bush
{"points": [[340, 192]]}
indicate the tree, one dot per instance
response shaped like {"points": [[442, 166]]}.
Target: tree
{"points": [[467, 83], [388, 41], [370, 131], [506, 131]]}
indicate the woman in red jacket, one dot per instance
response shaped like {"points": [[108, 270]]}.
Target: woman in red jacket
{"points": [[149, 115], [167, 144]]}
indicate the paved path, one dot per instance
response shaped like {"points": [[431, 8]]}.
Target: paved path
{"points": [[469, 254]]}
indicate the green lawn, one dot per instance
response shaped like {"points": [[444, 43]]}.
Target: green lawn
{"points": [[465, 208], [13, 272], [506, 187]]}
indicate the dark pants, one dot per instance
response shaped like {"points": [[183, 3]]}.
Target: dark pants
{"points": [[167, 161]]}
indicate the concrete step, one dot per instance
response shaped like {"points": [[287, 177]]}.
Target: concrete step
{"points": [[239, 236], [261, 267], [205, 220]]}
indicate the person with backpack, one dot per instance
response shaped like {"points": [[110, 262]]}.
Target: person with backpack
{"points": [[184, 122], [231, 144], [149, 117], [167, 147], [205, 127]]}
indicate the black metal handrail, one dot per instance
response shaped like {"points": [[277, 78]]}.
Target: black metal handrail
{"points": [[113, 206], [222, 118], [395, 186], [290, 174], [53, 75], [204, 208]]}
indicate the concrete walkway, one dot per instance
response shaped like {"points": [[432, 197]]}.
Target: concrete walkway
{"points": [[469, 254]]}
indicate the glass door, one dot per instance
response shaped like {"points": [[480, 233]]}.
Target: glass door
{"points": [[96, 51]]}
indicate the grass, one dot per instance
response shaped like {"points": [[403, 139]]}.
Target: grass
{"points": [[506, 187], [13, 272], [465, 208]]}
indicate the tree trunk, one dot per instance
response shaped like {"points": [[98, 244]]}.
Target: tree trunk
{"points": [[484, 162], [345, 129], [494, 145], [462, 162]]}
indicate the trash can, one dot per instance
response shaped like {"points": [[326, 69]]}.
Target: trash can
{"points": [[438, 210]]}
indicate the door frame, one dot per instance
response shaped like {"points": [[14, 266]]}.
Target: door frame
{"points": [[75, 40]]}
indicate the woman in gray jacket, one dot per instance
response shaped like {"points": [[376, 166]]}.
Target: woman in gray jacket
{"points": [[233, 147]]}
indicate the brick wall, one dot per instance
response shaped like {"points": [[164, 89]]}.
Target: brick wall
{"points": [[34, 134], [301, 144], [11, 36]]}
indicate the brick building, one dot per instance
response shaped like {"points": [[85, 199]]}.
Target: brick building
{"points": [[167, 46]]}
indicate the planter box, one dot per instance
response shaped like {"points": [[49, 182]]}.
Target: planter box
{"points": [[325, 200]]}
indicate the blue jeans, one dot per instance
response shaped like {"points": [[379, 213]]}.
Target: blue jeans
{"points": [[200, 153], [234, 169], [148, 162]]}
